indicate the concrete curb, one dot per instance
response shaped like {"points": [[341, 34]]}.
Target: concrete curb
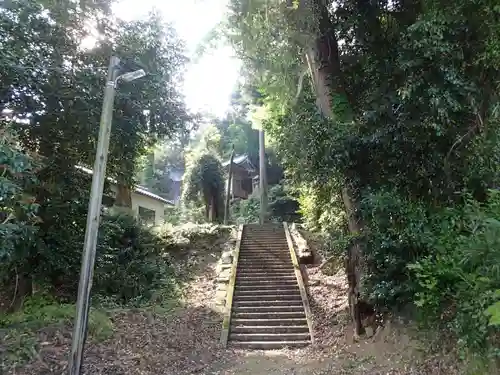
{"points": [[230, 290], [300, 281]]}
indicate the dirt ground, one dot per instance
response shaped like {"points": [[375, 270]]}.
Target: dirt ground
{"points": [[186, 341]]}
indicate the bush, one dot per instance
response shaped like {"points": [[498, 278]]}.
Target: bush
{"points": [[398, 232], [459, 283], [185, 234], [18, 342], [445, 261], [17, 209], [246, 211], [282, 206], [130, 266], [41, 310], [47, 252]]}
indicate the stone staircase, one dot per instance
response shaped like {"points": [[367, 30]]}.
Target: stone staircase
{"points": [[269, 303]]}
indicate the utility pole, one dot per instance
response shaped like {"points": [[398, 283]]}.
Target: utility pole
{"points": [[262, 177], [228, 190], [94, 214]]}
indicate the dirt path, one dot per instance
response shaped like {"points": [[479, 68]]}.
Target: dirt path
{"points": [[185, 340]]}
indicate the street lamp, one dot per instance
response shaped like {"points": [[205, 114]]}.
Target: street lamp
{"points": [[127, 77], [93, 215]]}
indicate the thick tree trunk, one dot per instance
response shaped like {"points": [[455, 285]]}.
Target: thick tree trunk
{"points": [[207, 211], [123, 196], [212, 212], [332, 99]]}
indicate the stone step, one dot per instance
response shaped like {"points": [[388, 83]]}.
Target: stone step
{"points": [[281, 267], [257, 283], [289, 296], [265, 265], [266, 287], [263, 251], [264, 274], [271, 329], [265, 242], [264, 271], [266, 257], [268, 302], [269, 345], [263, 247], [265, 238], [257, 233], [273, 337], [268, 277], [265, 262], [269, 314], [263, 291], [271, 252], [267, 226], [278, 262], [265, 254], [268, 308], [270, 322], [267, 271]]}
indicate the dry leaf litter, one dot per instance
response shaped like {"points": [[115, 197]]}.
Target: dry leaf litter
{"points": [[186, 341]]}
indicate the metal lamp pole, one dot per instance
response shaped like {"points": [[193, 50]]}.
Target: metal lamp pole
{"points": [[93, 215]]}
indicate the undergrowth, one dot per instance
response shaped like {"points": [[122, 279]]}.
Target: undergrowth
{"points": [[148, 273], [41, 312]]}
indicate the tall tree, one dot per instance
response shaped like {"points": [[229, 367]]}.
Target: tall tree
{"points": [[51, 92], [150, 109], [204, 181], [397, 84]]}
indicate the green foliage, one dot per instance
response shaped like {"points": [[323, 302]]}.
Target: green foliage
{"points": [[130, 266], [63, 83], [166, 157], [282, 206], [184, 235], [457, 283], [41, 310], [398, 233], [18, 330], [17, 209], [173, 215], [246, 211], [418, 123], [204, 183], [51, 92], [493, 311]]}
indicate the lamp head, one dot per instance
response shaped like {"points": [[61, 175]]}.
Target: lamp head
{"points": [[131, 76]]}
